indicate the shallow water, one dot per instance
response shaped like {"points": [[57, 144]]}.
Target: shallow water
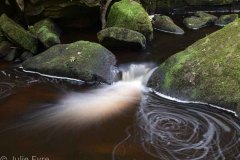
{"points": [[155, 128]]}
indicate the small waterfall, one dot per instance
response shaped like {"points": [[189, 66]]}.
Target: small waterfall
{"points": [[94, 106]]}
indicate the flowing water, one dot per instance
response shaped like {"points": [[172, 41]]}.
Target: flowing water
{"points": [[63, 119]]}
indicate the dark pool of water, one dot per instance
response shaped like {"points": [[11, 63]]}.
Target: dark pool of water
{"points": [[126, 136]]}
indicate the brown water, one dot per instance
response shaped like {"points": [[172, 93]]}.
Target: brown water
{"points": [[132, 135]]}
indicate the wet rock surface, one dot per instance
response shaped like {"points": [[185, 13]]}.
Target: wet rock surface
{"points": [[81, 60], [206, 71], [121, 37], [199, 20], [130, 15], [166, 24], [226, 19], [18, 35]]}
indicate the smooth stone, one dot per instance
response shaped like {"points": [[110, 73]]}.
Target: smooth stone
{"points": [[81, 60], [199, 20], [166, 24], [121, 37], [223, 20]]}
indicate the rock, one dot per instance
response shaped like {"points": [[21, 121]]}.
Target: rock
{"points": [[121, 37], [26, 55], [47, 32], [131, 15], [82, 60], [2, 37], [153, 5], [226, 19], [18, 35], [5, 48], [201, 19], [12, 55], [166, 24], [67, 13], [207, 71]]}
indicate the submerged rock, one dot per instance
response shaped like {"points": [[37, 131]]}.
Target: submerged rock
{"points": [[201, 19], [18, 35], [207, 71], [121, 37], [166, 24], [131, 15], [226, 19], [47, 32], [82, 60]]}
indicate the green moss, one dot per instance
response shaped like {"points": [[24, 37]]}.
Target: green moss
{"points": [[81, 60], [208, 70], [17, 34], [131, 15], [47, 32], [121, 37]]}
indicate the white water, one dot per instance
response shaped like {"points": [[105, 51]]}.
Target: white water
{"points": [[97, 105]]}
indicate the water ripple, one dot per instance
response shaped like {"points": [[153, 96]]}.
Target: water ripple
{"points": [[172, 130]]}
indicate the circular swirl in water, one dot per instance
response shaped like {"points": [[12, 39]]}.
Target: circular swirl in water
{"points": [[172, 130]]}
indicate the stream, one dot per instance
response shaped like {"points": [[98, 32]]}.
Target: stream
{"points": [[58, 119]]}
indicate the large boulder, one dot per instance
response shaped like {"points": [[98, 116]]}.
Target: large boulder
{"points": [[208, 70], [18, 35], [47, 32], [131, 15], [121, 37], [166, 24], [82, 60]]}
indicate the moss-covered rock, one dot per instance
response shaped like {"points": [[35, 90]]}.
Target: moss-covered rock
{"points": [[131, 15], [17, 34], [166, 24], [201, 19], [121, 37], [82, 60], [208, 70], [47, 32], [226, 19]]}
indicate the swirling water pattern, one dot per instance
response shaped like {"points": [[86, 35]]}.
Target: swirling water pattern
{"points": [[173, 130]]}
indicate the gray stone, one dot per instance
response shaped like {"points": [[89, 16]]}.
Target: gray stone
{"points": [[121, 37], [166, 24], [82, 60]]}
